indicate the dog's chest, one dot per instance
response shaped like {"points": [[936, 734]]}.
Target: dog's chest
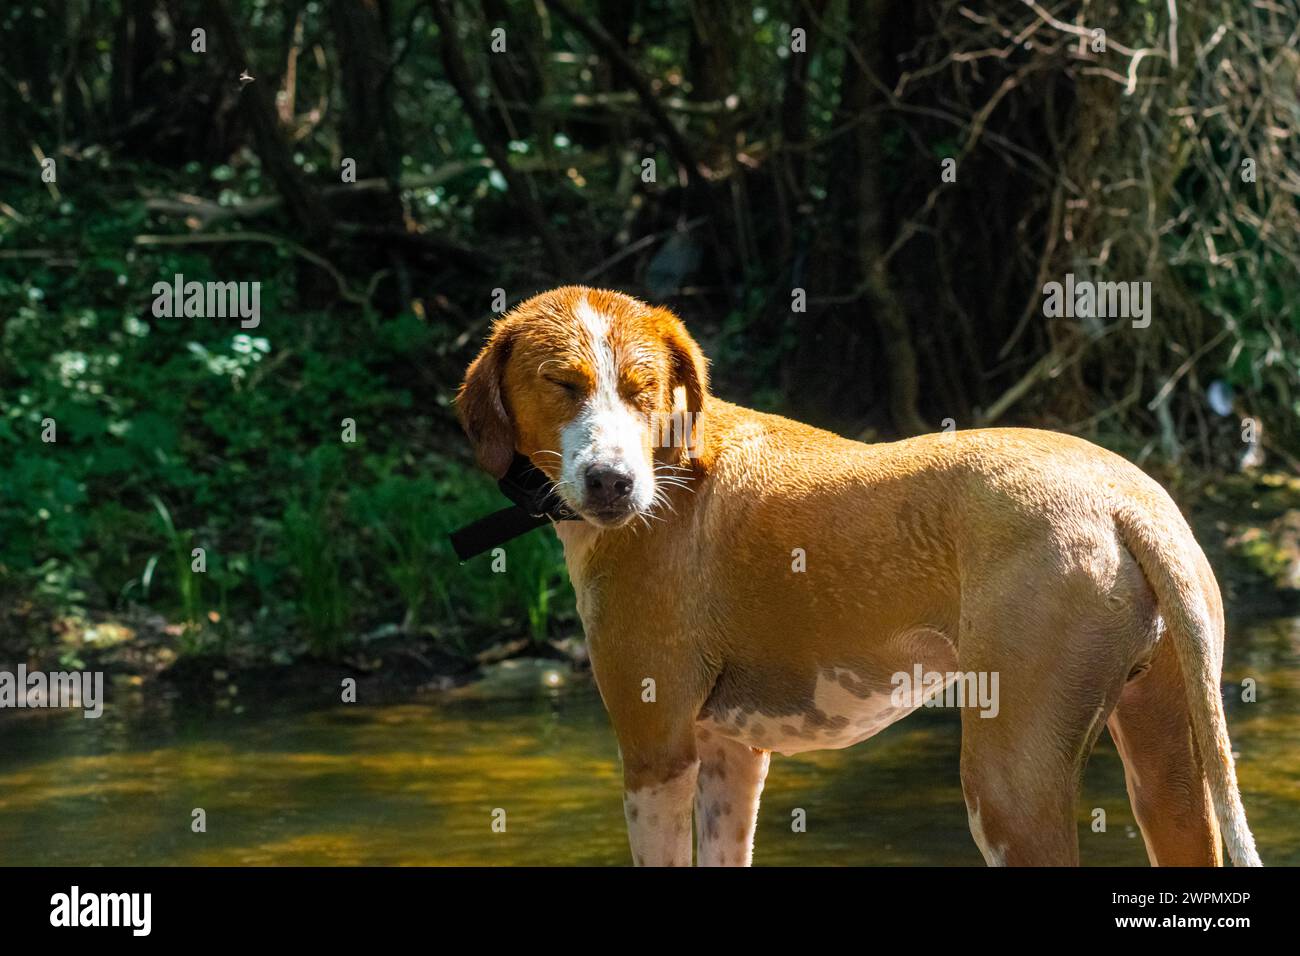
{"points": [[836, 709]]}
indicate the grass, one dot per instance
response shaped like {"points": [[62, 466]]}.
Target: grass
{"points": [[189, 588]]}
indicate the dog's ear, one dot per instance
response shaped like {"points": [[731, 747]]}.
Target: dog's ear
{"points": [[689, 371], [481, 408]]}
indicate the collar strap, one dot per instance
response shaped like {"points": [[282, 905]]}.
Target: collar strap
{"points": [[536, 503]]}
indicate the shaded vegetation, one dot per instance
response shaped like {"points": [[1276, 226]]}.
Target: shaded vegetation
{"points": [[783, 163]]}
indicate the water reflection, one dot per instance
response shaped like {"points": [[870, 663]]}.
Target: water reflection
{"points": [[417, 783]]}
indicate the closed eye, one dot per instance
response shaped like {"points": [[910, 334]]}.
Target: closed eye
{"points": [[572, 389], [637, 391]]}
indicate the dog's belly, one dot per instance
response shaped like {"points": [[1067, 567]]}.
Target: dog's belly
{"points": [[844, 709]]}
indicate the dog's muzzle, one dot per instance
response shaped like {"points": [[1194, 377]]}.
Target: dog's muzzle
{"points": [[607, 493]]}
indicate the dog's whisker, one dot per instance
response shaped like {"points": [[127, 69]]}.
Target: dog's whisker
{"points": [[659, 500], [682, 487]]}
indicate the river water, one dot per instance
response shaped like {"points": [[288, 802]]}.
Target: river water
{"points": [[421, 782]]}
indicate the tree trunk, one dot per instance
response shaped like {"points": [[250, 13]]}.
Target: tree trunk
{"points": [[709, 70], [516, 73], [857, 199], [258, 107], [806, 14], [367, 123], [459, 76]]}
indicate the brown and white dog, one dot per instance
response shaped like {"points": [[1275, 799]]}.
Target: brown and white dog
{"points": [[757, 585]]}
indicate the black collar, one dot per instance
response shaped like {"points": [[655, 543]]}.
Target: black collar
{"points": [[535, 503]]}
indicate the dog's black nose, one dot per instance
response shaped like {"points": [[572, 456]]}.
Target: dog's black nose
{"points": [[607, 486]]}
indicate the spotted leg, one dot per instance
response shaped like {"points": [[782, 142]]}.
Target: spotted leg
{"points": [[653, 690], [657, 804], [726, 799]]}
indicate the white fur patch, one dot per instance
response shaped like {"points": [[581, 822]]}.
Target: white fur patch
{"points": [[993, 855], [606, 430], [659, 820], [726, 800], [843, 717]]}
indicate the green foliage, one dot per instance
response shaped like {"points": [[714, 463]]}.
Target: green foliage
{"points": [[174, 434], [314, 554], [532, 591], [188, 583]]}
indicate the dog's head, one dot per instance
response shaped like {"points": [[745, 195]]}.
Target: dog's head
{"points": [[601, 391]]}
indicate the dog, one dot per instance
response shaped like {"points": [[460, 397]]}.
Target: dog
{"points": [[750, 585]]}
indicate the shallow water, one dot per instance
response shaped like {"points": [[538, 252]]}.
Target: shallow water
{"points": [[417, 783]]}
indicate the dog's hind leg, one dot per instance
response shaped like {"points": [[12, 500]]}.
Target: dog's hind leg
{"points": [[1021, 780], [726, 799], [1061, 666], [1020, 791], [1166, 783]]}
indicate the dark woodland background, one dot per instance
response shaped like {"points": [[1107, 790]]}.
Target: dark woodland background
{"points": [[521, 170]]}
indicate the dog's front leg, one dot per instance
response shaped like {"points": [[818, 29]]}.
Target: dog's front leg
{"points": [[653, 686], [726, 799], [657, 803], [660, 768]]}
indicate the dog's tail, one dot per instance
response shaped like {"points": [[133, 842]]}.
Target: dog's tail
{"points": [[1180, 576]]}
